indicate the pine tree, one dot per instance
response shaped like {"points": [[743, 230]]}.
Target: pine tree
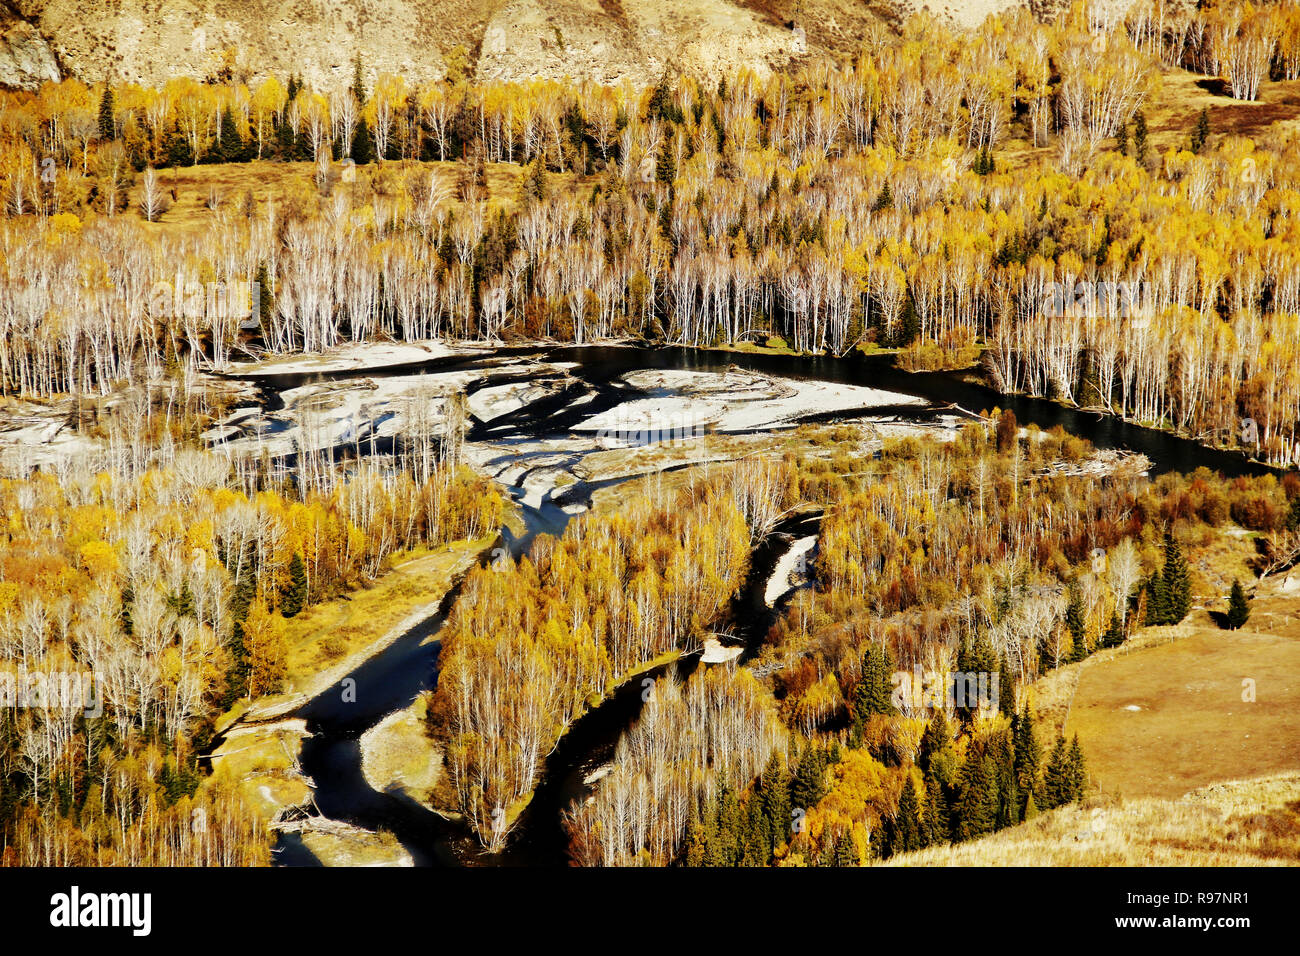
{"points": [[1293, 516], [1114, 636], [936, 813], [846, 854], [232, 144], [1157, 611], [1140, 137], [107, 123], [358, 81], [935, 737], [907, 822], [885, 200], [976, 657], [1238, 607], [1074, 623], [176, 148], [1201, 134], [975, 813], [1121, 139], [363, 150], [695, 854], [873, 693], [727, 844], [1027, 754], [182, 603], [294, 597], [1006, 690], [809, 784], [1177, 581], [1076, 772], [774, 790], [1008, 814], [1056, 779], [666, 167]]}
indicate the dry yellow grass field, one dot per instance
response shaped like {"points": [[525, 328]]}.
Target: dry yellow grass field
{"points": [[329, 636], [1207, 706], [1186, 769], [1239, 823], [293, 184], [1174, 110]]}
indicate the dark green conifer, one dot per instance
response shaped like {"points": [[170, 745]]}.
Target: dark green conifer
{"points": [[363, 150], [107, 108], [1076, 772], [294, 597], [907, 822], [885, 200], [1177, 581], [1238, 606]]}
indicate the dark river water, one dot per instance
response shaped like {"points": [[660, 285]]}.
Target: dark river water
{"points": [[394, 678]]}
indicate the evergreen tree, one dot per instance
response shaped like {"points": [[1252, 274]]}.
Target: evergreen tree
{"points": [[885, 200], [1006, 690], [1028, 755], [1074, 623], [1031, 808], [907, 822], [358, 81], [694, 842], [1121, 138], [846, 854], [666, 168], [363, 150], [935, 755], [1157, 609], [1140, 137], [774, 793], [1201, 134], [107, 123], [873, 693], [176, 148], [1114, 635], [1056, 778], [726, 843], [809, 784], [1076, 772], [294, 597], [1238, 606], [232, 144], [182, 603], [975, 813], [976, 657], [1177, 581]]}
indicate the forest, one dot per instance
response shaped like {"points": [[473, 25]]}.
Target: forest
{"points": [[965, 558], [165, 574], [989, 201], [989, 196]]}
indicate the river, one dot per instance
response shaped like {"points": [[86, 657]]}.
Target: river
{"points": [[395, 677]]}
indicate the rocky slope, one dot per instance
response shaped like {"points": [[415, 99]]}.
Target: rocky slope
{"points": [[150, 41]]}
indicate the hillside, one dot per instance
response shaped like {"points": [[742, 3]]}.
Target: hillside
{"points": [[1239, 823], [604, 40]]}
